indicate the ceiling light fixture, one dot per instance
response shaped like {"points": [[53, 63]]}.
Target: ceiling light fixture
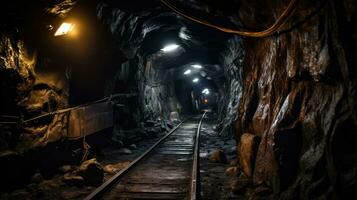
{"points": [[187, 72], [170, 47], [205, 91], [64, 29], [195, 80], [182, 34], [197, 66]]}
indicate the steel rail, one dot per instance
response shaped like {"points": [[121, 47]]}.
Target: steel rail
{"points": [[97, 193], [195, 176]]}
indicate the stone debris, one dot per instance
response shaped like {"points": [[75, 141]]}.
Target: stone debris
{"points": [[232, 171], [92, 172], [73, 180], [113, 168], [218, 156]]}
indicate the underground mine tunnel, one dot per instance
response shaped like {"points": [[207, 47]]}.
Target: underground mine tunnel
{"points": [[174, 99]]}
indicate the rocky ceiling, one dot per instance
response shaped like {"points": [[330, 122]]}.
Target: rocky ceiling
{"points": [[137, 26]]}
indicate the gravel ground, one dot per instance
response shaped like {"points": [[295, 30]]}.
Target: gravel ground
{"points": [[215, 184]]}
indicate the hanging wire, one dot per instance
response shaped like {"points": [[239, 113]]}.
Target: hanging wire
{"points": [[267, 32], [86, 148]]}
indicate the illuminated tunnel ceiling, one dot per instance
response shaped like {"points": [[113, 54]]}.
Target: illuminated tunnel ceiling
{"points": [[138, 27]]}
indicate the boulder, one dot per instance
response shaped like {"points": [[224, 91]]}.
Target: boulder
{"points": [[92, 172], [218, 156], [248, 148], [73, 180], [232, 171]]}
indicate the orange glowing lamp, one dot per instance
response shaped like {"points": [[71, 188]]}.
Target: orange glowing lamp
{"points": [[64, 29]]}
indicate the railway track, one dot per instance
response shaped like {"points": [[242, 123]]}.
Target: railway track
{"points": [[168, 170]]}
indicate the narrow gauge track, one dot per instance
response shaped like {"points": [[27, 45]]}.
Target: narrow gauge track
{"points": [[168, 170]]}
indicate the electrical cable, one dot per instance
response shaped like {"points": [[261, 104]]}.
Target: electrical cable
{"points": [[305, 19], [109, 98], [267, 32]]}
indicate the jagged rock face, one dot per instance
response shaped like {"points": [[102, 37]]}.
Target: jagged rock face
{"points": [[158, 98], [28, 92], [299, 95], [140, 34], [232, 60]]}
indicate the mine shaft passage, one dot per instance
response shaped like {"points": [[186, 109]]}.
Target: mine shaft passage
{"points": [[175, 99]]}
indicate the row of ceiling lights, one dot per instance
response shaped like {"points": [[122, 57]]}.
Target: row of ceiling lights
{"points": [[66, 28], [173, 47]]}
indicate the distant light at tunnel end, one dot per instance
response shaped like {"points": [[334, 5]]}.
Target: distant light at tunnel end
{"points": [[64, 29], [187, 72], [170, 47], [195, 80]]}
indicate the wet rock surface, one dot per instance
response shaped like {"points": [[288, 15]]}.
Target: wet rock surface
{"points": [[298, 98], [248, 147]]}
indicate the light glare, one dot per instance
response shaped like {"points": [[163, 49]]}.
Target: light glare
{"points": [[64, 29], [195, 80], [187, 72], [197, 66], [170, 47], [205, 91]]}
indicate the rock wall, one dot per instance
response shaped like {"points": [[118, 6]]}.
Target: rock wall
{"points": [[231, 92], [131, 32], [299, 96], [27, 93], [158, 98]]}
